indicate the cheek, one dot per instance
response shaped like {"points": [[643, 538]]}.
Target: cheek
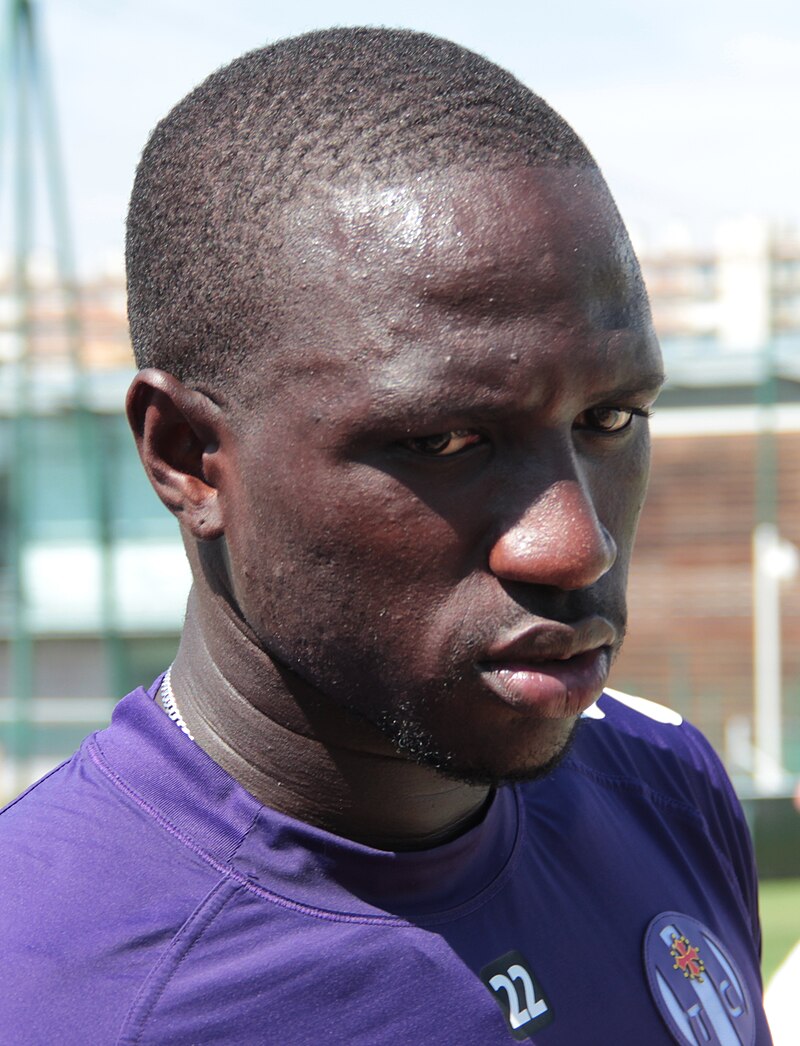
{"points": [[638, 476], [349, 590], [620, 487], [349, 552]]}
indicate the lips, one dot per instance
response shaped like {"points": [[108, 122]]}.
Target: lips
{"points": [[552, 670]]}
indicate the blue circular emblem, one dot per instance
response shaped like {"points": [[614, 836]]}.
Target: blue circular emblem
{"points": [[695, 984]]}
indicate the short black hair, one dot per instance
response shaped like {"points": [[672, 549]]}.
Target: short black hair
{"points": [[203, 238]]}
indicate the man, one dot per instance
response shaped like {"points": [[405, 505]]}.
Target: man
{"points": [[396, 363]]}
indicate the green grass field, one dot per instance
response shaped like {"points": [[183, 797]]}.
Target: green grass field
{"points": [[780, 921]]}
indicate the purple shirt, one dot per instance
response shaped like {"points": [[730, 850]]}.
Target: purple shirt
{"points": [[145, 897]]}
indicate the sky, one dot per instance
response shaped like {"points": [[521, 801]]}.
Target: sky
{"points": [[691, 108]]}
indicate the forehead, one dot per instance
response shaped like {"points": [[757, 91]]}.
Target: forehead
{"points": [[441, 273]]}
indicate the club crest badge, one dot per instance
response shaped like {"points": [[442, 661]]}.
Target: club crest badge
{"points": [[687, 958], [696, 985]]}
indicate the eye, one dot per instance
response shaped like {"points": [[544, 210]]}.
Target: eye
{"points": [[609, 419], [443, 444]]}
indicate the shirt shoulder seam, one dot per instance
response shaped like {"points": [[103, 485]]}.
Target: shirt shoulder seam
{"points": [[228, 870], [157, 981]]}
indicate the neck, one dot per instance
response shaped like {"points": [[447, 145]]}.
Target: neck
{"points": [[301, 754]]}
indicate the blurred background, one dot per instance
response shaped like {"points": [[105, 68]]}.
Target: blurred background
{"points": [[691, 109]]}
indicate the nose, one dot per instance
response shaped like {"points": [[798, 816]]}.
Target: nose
{"points": [[558, 541]]}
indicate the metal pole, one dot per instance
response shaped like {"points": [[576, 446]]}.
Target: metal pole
{"points": [[91, 436], [22, 642], [768, 761], [774, 560]]}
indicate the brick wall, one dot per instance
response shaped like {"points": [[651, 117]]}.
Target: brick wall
{"points": [[689, 643]]}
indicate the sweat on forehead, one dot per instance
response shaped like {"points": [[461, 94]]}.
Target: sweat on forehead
{"points": [[205, 278]]}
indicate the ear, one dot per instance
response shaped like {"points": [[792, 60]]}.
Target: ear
{"points": [[178, 433]]}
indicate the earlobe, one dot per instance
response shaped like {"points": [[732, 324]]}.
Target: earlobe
{"points": [[178, 435]]}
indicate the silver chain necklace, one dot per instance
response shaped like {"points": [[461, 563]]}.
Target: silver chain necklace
{"points": [[168, 703]]}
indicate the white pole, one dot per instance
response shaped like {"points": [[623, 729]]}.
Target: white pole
{"points": [[773, 560]]}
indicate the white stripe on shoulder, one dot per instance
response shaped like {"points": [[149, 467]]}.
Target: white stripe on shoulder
{"points": [[660, 713], [593, 712]]}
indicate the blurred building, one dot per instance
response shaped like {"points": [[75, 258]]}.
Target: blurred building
{"points": [[737, 295], [92, 593]]}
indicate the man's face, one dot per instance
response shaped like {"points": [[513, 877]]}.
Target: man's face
{"points": [[430, 513]]}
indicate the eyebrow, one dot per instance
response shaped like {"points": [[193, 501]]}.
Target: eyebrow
{"points": [[652, 382], [405, 409]]}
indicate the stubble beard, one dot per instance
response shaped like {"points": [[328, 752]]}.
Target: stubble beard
{"points": [[414, 740]]}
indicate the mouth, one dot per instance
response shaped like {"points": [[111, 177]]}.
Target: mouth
{"points": [[551, 670]]}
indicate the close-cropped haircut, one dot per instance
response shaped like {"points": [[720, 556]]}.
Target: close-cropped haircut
{"points": [[339, 105]]}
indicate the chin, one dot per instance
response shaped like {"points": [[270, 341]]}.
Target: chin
{"points": [[485, 764]]}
